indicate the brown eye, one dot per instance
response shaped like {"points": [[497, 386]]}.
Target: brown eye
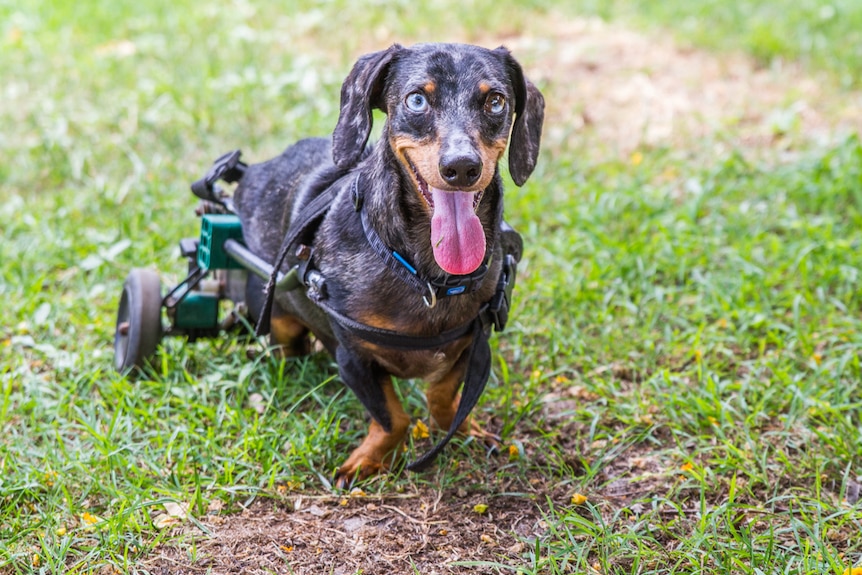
{"points": [[495, 103]]}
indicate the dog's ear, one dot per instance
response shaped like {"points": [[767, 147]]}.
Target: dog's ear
{"points": [[361, 92], [529, 116]]}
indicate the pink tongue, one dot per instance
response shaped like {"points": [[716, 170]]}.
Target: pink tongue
{"points": [[456, 232]]}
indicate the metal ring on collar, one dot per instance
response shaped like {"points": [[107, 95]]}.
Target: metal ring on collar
{"points": [[433, 293]]}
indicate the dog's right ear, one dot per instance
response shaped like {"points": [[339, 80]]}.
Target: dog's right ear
{"points": [[361, 92]]}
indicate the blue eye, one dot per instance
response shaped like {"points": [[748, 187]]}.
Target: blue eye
{"points": [[417, 101], [495, 103]]}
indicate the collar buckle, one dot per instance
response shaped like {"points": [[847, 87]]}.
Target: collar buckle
{"points": [[456, 285]]}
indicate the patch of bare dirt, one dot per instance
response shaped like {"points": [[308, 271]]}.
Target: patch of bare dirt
{"points": [[487, 517], [626, 90], [427, 531]]}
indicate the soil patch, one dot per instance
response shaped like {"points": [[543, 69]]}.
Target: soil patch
{"points": [[622, 90], [433, 532]]}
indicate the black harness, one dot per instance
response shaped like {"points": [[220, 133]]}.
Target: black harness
{"points": [[493, 313]]}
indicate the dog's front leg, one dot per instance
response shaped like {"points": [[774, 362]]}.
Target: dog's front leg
{"points": [[389, 424]]}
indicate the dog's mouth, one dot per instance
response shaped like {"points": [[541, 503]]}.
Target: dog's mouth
{"points": [[457, 235]]}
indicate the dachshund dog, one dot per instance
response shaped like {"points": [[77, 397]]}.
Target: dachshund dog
{"points": [[425, 201]]}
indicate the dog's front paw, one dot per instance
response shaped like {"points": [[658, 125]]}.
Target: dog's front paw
{"points": [[374, 455], [356, 468]]}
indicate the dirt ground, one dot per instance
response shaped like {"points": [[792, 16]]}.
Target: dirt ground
{"points": [[618, 91], [621, 90], [426, 530]]}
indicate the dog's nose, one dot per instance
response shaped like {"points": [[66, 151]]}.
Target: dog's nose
{"points": [[462, 170]]}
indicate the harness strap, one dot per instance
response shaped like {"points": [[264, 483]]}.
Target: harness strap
{"points": [[475, 379], [397, 340], [478, 371], [308, 218]]}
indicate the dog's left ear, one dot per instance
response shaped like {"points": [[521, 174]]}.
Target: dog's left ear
{"points": [[529, 116], [361, 92]]}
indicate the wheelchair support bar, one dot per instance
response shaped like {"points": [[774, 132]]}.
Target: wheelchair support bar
{"points": [[259, 267]]}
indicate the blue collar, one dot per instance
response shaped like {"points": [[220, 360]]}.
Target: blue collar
{"points": [[431, 289]]}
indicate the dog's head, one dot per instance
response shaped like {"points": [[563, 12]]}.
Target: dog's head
{"points": [[452, 110]]}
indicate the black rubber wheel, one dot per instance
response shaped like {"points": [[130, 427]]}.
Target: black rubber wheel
{"points": [[139, 320]]}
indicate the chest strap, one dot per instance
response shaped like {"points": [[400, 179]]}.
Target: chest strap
{"points": [[494, 314]]}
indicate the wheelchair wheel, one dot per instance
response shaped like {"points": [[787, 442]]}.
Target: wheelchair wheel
{"points": [[139, 320]]}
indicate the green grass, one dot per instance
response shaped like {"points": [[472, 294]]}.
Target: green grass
{"points": [[684, 350], [730, 317]]}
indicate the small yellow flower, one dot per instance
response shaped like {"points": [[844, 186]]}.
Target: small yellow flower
{"points": [[343, 502], [712, 420], [420, 430], [536, 374], [36, 560], [443, 532], [578, 499], [487, 539], [50, 476], [687, 467], [15, 34], [853, 571], [287, 548], [514, 453], [356, 492], [669, 173], [722, 323], [281, 489], [698, 354], [818, 359], [480, 508], [60, 531], [89, 518], [636, 159]]}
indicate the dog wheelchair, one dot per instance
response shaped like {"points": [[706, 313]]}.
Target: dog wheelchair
{"points": [[220, 268], [219, 265]]}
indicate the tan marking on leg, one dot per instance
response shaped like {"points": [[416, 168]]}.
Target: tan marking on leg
{"points": [[443, 399], [289, 334], [379, 448]]}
